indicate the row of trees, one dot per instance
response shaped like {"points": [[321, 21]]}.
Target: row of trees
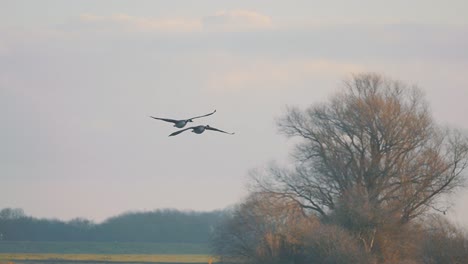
{"points": [[166, 226], [370, 170]]}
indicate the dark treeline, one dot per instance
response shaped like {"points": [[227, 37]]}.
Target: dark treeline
{"points": [[162, 226]]}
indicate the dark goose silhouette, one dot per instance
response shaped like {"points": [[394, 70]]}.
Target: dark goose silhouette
{"points": [[199, 130], [183, 122]]}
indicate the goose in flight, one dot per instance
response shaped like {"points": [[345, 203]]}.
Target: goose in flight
{"points": [[199, 130], [183, 122]]}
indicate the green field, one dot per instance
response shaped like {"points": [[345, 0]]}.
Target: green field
{"points": [[102, 258], [104, 248], [102, 252]]}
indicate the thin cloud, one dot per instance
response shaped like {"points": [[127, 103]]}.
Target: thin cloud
{"points": [[222, 21], [91, 18], [237, 20], [142, 24]]}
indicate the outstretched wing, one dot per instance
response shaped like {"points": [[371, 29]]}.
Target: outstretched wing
{"points": [[203, 115], [219, 130], [165, 119], [180, 131]]}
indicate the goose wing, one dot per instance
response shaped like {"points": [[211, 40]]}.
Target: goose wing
{"points": [[219, 130], [203, 115], [180, 131], [165, 119]]}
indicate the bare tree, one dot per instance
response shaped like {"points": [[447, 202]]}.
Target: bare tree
{"points": [[373, 151], [263, 229], [270, 229], [444, 242], [333, 244]]}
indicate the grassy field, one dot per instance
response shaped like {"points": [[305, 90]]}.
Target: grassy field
{"points": [[102, 258], [104, 248], [101, 252]]}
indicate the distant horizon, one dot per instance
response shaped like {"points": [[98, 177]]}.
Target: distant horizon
{"points": [[142, 211]]}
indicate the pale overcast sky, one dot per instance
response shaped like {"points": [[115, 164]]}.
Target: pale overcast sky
{"points": [[78, 80]]}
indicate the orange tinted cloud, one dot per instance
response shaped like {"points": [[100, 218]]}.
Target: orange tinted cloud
{"points": [[235, 20], [144, 24]]}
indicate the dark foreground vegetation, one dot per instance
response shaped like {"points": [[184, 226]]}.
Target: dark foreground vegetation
{"points": [[368, 184]]}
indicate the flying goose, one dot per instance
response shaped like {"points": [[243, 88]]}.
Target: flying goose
{"points": [[199, 130], [183, 122]]}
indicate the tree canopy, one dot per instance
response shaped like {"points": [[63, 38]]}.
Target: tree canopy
{"points": [[374, 143]]}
